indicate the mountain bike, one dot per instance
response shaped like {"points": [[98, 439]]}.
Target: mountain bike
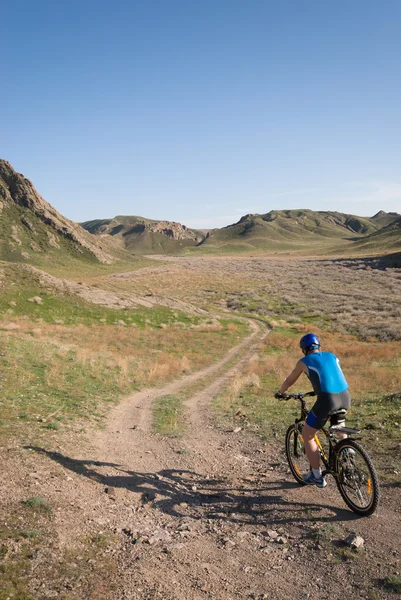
{"points": [[344, 459]]}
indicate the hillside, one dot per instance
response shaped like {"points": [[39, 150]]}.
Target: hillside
{"points": [[294, 230], [387, 239], [31, 230], [145, 236]]}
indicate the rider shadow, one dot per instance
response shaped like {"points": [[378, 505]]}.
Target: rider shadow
{"points": [[173, 491]]}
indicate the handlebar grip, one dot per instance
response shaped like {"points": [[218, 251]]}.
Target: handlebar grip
{"points": [[281, 396]]}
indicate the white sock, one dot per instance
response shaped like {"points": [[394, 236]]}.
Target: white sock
{"points": [[317, 473]]}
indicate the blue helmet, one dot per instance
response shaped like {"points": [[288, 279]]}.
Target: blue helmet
{"points": [[309, 341]]}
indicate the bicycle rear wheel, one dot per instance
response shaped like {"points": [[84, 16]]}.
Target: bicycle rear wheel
{"points": [[356, 477], [295, 452]]}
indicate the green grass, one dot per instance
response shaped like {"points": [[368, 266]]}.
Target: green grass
{"points": [[37, 381], [393, 583], [78, 270], [168, 416], [38, 503], [21, 251], [19, 288]]}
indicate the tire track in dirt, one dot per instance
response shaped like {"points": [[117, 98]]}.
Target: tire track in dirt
{"points": [[142, 401], [202, 436], [200, 508]]}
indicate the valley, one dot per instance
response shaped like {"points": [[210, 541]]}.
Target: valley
{"points": [[143, 448]]}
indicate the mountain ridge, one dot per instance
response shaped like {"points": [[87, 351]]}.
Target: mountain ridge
{"points": [[296, 226], [30, 225], [149, 235]]}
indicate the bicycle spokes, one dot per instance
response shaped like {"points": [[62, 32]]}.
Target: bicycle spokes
{"points": [[356, 478], [296, 455]]}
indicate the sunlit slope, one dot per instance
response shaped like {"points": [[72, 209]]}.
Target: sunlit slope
{"points": [[32, 231], [294, 230], [385, 240], [145, 236]]}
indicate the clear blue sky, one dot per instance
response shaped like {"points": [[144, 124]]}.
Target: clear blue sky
{"points": [[203, 111]]}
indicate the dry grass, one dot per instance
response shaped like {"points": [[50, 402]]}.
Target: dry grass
{"points": [[74, 371], [237, 386], [352, 296], [370, 367]]}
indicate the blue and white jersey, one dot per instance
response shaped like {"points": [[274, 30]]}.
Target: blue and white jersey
{"points": [[325, 373]]}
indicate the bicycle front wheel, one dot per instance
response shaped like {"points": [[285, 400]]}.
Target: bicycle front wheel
{"points": [[295, 452], [356, 477]]}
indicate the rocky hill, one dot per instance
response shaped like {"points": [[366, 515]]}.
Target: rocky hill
{"points": [[383, 219], [295, 229], [385, 240], [146, 236], [31, 229]]}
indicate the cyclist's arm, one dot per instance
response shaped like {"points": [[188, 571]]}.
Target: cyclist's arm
{"points": [[292, 377]]}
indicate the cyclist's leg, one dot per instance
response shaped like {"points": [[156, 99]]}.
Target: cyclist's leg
{"points": [[311, 449], [315, 421], [314, 476]]}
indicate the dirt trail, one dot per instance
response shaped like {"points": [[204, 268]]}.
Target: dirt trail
{"points": [[215, 514]]}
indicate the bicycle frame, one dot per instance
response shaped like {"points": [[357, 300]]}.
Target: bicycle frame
{"points": [[328, 461]]}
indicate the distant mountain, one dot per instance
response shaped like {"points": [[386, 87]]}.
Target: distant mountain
{"points": [[146, 236], [383, 219], [294, 229], [385, 240], [32, 230]]}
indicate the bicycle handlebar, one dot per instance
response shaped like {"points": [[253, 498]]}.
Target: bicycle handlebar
{"points": [[298, 396]]}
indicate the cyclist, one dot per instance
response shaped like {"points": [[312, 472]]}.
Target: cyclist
{"points": [[333, 398]]}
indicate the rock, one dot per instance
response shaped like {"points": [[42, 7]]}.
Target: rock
{"points": [[229, 543], [355, 541], [27, 224], [148, 496], [34, 246], [52, 240], [281, 539], [273, 535], [36, 299], [237, 429], [120, 323], [110, 491]]}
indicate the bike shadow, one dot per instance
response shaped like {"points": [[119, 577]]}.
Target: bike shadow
{"points": [[178, 491]]}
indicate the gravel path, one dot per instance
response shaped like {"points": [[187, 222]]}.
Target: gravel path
{"points": [[215, 514]]}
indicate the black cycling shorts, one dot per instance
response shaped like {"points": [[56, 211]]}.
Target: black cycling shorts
{"points": [[333, 406]]}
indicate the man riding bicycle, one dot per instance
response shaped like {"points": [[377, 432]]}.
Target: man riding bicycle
{"points": [[333, 398]]}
